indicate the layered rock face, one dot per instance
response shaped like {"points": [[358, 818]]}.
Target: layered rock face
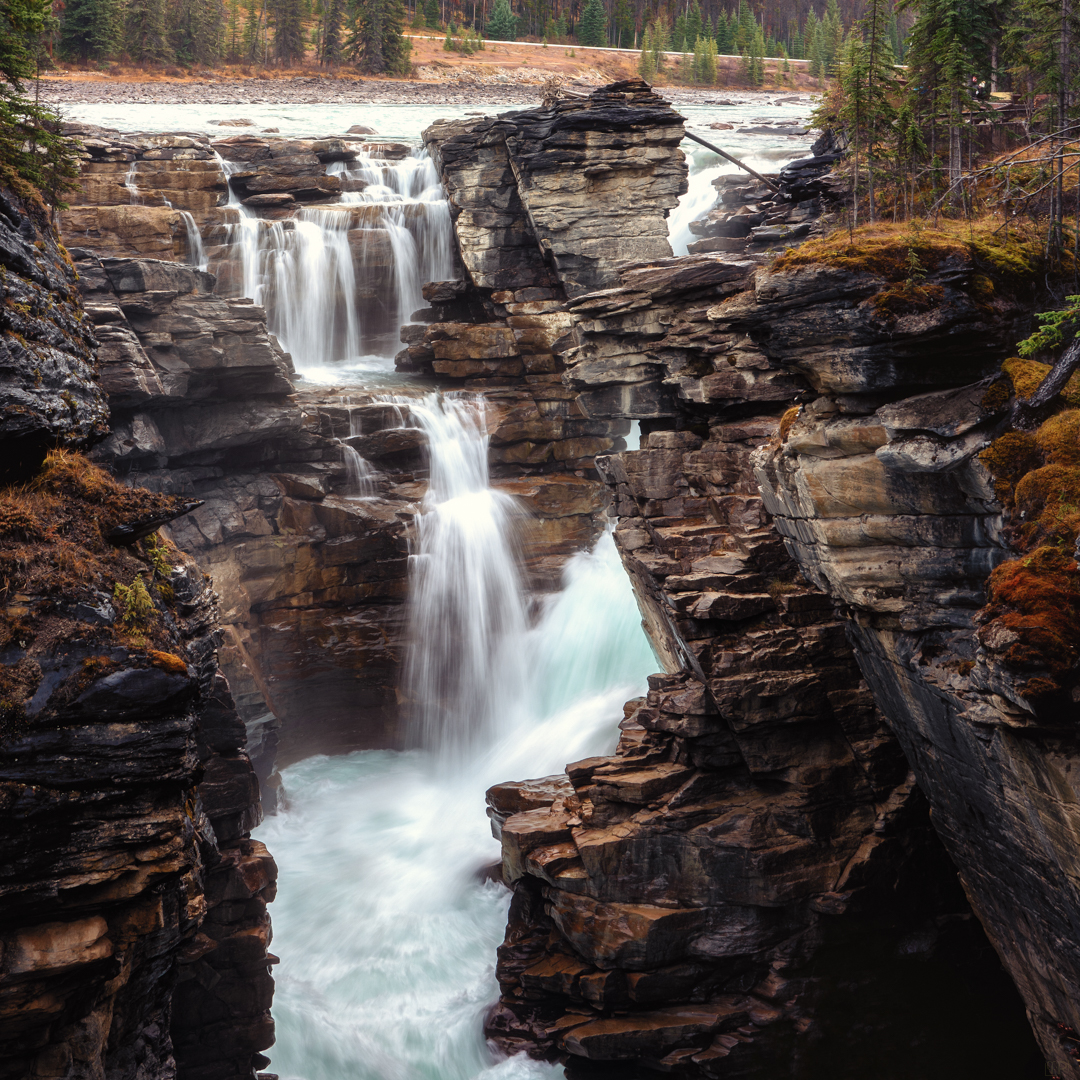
{"points": [[680, 903], [48, 387], [706, 900], [133, 900], [893, 513]]}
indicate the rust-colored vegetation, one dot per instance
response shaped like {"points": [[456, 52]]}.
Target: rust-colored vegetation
{"points": [[55, 555], [1037, 478]]}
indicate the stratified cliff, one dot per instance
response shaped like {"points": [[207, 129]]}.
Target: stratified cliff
{"points": [[751, 885], [133, 923]]}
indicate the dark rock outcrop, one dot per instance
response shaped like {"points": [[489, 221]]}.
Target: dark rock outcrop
{"points": [[49, 394], [128, 798]]}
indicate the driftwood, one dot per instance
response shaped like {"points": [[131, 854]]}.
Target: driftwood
{"points": [[1028, 413], [733, 160]]}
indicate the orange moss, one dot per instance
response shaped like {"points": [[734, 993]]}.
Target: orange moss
{"points": [[907, 297], [997, 395], [787, 420], [167, 662], [1038, 597], [1058, 438], [1026, 375]]}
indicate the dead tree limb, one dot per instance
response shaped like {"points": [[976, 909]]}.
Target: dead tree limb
{"points": [[1027, 413]]}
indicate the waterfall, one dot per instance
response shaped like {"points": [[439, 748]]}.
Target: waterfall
{"points": [[372, 251], [467, 615], [134, 198], [358, 472], [386, 932], [196, 251]]}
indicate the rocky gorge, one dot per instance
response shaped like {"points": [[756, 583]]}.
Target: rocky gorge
{"points": [[849, 777]]}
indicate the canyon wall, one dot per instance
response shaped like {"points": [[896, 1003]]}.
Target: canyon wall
{"points": [[135, 930], [751, 884]]}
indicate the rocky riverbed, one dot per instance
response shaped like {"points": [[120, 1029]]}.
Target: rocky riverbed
{"points": [[77, 89]]}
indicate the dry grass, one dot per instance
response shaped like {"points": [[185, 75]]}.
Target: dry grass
{"points": [[54, 554]]}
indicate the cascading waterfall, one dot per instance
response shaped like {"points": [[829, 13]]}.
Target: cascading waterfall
{"points": [[467, 615], [314, 271], [359, 474], [385, 929], [196, 251], [134, 198]]}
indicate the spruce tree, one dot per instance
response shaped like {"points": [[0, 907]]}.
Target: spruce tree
{"points": [[288, 19], [502, 26], [333, 18], [146, 32], [431, 14], [91, 29], [624, 23], [646, 62], [693, 23], [31, 147], [592, 30], [375, 40]]}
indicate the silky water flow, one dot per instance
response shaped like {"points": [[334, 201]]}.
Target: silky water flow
{"points": [[386, 928]]}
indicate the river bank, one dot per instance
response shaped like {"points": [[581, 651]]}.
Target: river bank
{"points": [[85, 89]]}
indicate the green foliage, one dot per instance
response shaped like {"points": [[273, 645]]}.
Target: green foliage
{"points": [[134, 604], [375, 39], [502, 26], [34, 157], [1056, 328], [647, 60], [158, 555], [288, 17], [431, 14], [704, 66], [592, 29]]}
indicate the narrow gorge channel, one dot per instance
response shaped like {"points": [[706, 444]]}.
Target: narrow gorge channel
{"points": [[571, 618]]}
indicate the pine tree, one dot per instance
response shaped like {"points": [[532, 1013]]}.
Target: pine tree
{"points": [[431, 14], [332, 24], [592, 30], [91, 29], [757, 58], [375, 40], [146, 32], [30, 144], [693, 23], [197, 31], [647, 62], [624, 23], [833, 39], [502, 26], [881, 82], [288, 31]]}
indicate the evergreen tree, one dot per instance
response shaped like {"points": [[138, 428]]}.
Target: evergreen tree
{"points": [[502, 26], [624, 23], [647, 61], [375, 40], [693, 23], [431, 14], [197, 31], [942, 55], [757, 58], [288, 17], [91, 29], [592, 30], [881, 84], [146, 31], [833, 35], [330, 51], [32, 150]]}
